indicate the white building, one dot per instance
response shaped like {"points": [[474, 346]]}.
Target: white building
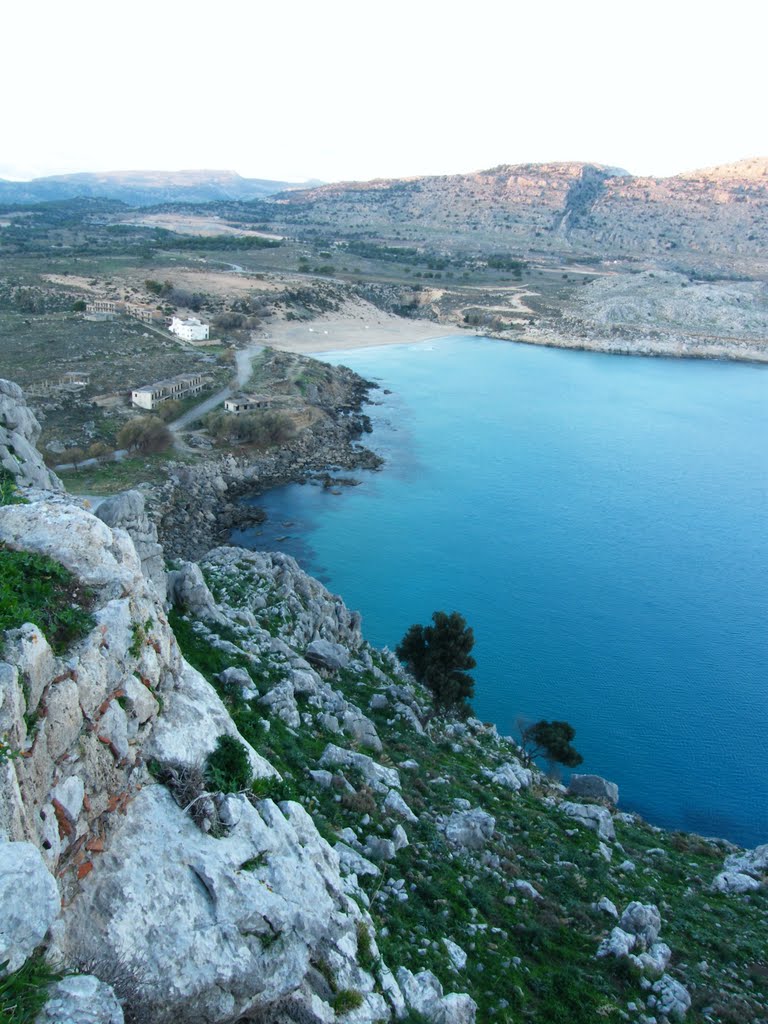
{"points": [[191, 329], [151, 395]]}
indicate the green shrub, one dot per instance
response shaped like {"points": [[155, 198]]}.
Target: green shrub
{"points": [[35, 588], [347, 999], [9, 491], [227, 768]]}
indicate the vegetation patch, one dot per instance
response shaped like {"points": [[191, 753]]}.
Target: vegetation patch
{"points": [[24, 992], [35, 588]]}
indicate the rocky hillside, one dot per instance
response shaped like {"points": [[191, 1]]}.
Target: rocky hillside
{"points": [[229, 806], [717, 214]]}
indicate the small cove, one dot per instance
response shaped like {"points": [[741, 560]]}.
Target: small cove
{"points": [[600, 522]]}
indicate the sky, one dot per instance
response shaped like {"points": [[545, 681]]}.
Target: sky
{"points": [[341, 90]]}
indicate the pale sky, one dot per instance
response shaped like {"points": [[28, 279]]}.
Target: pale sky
{"points": [[343, 89]]}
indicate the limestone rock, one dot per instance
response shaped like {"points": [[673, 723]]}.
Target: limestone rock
{"points": [[192, 720], [456, 955], [735, 882], [30, 902], [469, 829], [19, 431], [377, 776], [81, 999], [670, 998], [218, 925], [511, 775], [594, 787], [327, 655], [619, 943], [126, 511], [751, 862], [596, 818], [394, 804], [423, 993], [642, 920]]}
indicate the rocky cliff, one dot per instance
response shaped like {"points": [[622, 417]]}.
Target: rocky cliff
{"points": [[353, 857], [718, 214]]}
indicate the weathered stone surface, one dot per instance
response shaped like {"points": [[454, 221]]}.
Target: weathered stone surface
{"points": [[64, 719], [527, 889], [642, 920], [327, 655], [456, 955], [192, 720], [394, 804], [470, 829], [653, 963], [189, 592], [69, 794], [126, 511], [596, 818], [607, 906], [30, 902], [29, 651], [74, 537], [670, 998], [593, 787], [735, 882], [619, 943], [511, 775], [19, 431], [424, 994], [81, 999], [353, 863], [751, 862], [379, 849], [379, 778], [223, 938]]}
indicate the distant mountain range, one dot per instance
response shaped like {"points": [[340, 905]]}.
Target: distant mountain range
{"points": [[558, 207], [145, 188]]}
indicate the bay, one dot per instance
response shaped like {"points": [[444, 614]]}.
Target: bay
{"points": [[600, 522]]}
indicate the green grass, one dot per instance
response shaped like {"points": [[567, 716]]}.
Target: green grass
{"points": [[9, 492], [111, 477], [23, 993], [35, 588]]}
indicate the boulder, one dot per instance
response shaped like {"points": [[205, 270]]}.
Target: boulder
{"points": [[456, 955], [751, 862], [642, 920], [594, 787], [735, 882], [670, 998], [30, 902], [511, 775], [470, 829], [394, 804], [126, 511], [619, 943], [377, 776], [592, 816], [81, 999], [327, 655], [192, 720], [218, 926], [423, 993], [19, 431]]}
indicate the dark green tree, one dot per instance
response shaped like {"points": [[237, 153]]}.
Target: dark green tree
{"points": [[439, 656], [551, 740]]}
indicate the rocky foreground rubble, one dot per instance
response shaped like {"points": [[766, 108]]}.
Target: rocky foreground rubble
{"points": [[377, 862]]}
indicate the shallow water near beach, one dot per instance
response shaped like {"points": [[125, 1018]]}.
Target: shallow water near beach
{"points": [[600, 521]]}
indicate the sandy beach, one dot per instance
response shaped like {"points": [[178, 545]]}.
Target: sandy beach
{"points": [[360, 325]]}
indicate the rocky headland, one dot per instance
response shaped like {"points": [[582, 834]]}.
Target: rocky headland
{"points": [[219, 802]]}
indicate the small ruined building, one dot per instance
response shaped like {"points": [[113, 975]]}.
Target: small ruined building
{"points": [[102, 309], [184, 386], [191, 329], [76, 377], [252, 403], [147, 316]]}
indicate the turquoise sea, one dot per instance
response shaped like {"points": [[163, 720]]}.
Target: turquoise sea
{"points": [[600, 521]]}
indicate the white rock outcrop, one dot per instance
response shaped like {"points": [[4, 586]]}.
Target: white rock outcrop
{"points": [[29, 899]]}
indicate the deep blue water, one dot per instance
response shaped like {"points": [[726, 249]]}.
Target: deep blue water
{"points": [[601, 523]]}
